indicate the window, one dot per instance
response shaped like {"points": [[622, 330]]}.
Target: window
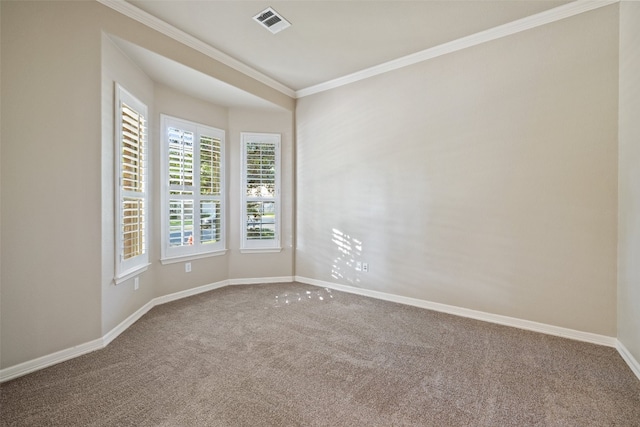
{"points": [[260, 192], [131, 185], [193, 190]]}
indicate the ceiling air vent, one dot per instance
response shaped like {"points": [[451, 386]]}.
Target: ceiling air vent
{"points": [[272, 20]]}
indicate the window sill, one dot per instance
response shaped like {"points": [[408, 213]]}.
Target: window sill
{"points": [[131, 273], [260, 250], [183, 258]]}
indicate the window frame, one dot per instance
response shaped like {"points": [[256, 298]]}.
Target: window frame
{"points": [[197, 250], [128, 268], [267, 245]]}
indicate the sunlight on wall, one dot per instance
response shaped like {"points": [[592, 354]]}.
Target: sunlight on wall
{"points": [[346, 265]]}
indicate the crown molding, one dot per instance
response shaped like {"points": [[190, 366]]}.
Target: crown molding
{"points": [[552, 15], [137, 14]]}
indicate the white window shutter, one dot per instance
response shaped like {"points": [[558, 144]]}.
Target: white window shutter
{"points": [[131, 185], [193, 195], [260, 192]]}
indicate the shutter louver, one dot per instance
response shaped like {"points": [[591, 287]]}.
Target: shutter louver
{"points": [[260, 190], [132, 187], [261, 169], [210, 189], [180, 161], [194, 192], [210, 166], [132, 227]]}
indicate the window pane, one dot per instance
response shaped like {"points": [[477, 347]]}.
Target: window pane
{"points": [[261, 169], [180, 223], [209, 221], [209, 166], [193, 176], [180, 159], [132, 227], [261, 221]]}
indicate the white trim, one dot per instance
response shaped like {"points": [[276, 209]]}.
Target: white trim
{"points": [[267, 245], [30, 366], [260, 280], [198, 249], [70, 353], [549, 16], [124, 325], [184, 258], [472, 314], [552, 15], [131, 273], [628, 357], [127, 268], [100, 343], [133, 12], [189, 292], [260, 250]]}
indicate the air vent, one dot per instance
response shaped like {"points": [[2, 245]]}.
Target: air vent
{"points": [[272, 20]]}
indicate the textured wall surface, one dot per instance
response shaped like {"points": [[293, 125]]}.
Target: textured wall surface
{"points": [[483, 179]]}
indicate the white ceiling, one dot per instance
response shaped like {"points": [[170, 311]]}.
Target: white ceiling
{"points": [[331, 39], [189, 81], [328, 40]]}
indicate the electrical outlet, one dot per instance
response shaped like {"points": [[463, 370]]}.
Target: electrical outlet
{"points": [[365, 267], [136, 283], [187, 267]]}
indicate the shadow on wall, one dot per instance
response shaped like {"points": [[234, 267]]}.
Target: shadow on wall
{"points": [[347, 265]]}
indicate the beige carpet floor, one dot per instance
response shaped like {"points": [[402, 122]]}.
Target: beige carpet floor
{"points": [[296, 355]]}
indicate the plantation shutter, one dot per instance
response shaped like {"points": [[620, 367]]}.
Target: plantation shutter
{"points": [[260, 189], [131, 185], [210, 189], [194, 189], [260, 205]]}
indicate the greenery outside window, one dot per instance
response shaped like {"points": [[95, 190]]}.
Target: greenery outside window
{"points": [[260, 192], [193, 190]]}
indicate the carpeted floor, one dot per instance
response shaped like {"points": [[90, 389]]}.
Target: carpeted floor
{"points": [[296, 355]]}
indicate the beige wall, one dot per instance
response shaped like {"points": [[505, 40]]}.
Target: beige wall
{"points": [[50, 179], [629, 181], [118, 302], [163, 279], [57, 245], [170, 278], [483, 179], [245, 265]]}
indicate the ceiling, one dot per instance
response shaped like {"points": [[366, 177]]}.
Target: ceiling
{"points": [[332, 39], [327, 42], [189, 81]]}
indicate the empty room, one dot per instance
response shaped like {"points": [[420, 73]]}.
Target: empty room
{"points": [[320, 213]]}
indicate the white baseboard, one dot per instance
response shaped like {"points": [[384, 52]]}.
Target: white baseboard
{"points": [[260, 280], [472, 314], [189, 292], [124, 325], [628, 357], [30, 366], [70, 353], [100, 343]]}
